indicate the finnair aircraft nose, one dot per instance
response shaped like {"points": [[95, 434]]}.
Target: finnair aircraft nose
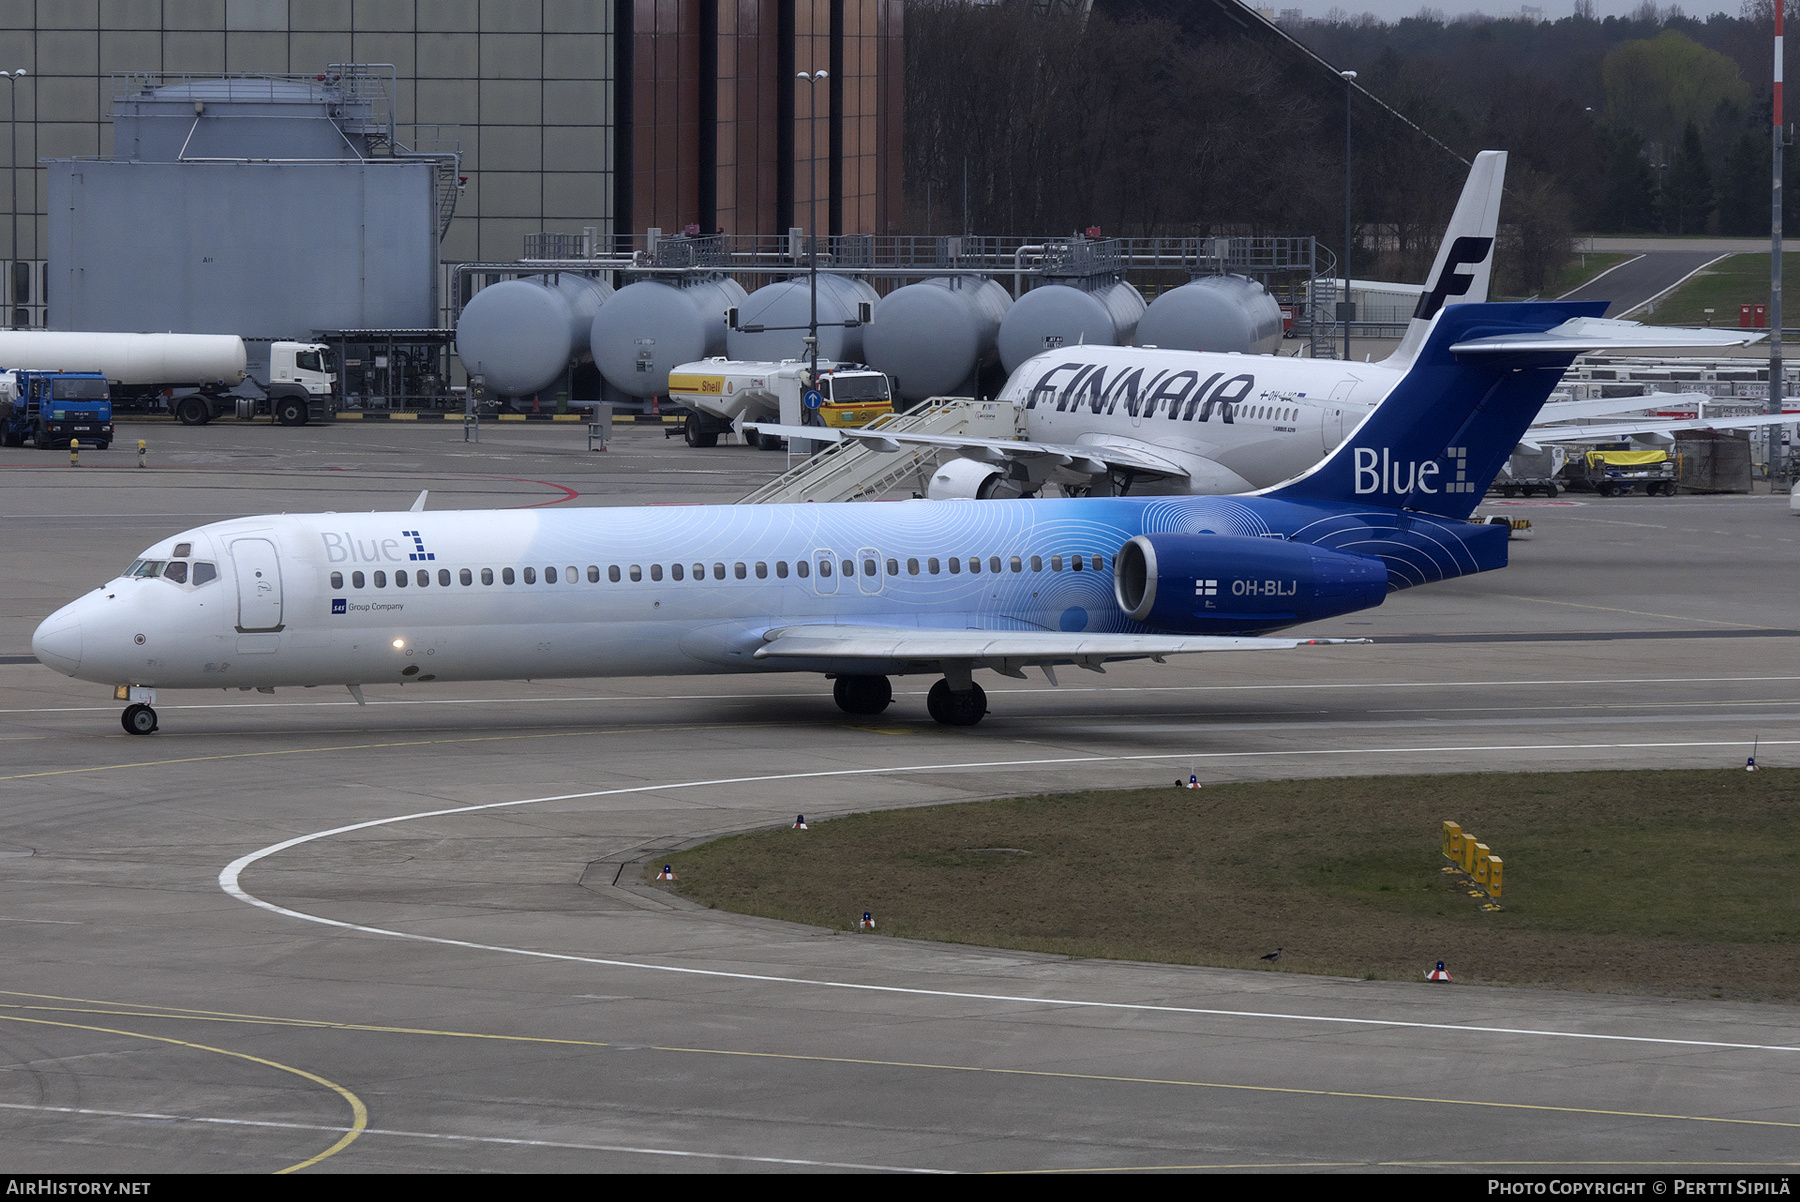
{"points": [[57, 642]]}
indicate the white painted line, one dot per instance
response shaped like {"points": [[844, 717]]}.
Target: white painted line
{"points": [[1678, 283], [1596, 279], [1065, 689], [146, 1116], [229, 879]]}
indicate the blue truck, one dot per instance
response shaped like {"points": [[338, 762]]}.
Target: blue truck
{"points": [[53, 408]]}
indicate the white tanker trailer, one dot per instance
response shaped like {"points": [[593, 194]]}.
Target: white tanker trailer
{"points": [[194, 373]]}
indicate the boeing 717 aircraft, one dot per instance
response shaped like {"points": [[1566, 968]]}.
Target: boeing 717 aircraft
{"points": [[858, 593]]}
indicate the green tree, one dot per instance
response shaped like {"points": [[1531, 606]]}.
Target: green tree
{"points": [[1660, 86], [1628, 201], [1744, 186], [1687, 197]]}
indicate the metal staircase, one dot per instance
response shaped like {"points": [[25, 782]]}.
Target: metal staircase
{"points": [[853, 470]]}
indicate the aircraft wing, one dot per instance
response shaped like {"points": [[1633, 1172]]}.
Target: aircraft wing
{"points": [[1612, 431], [1094, 459], [1582, 334], [1005, 651], [1562, 411]]}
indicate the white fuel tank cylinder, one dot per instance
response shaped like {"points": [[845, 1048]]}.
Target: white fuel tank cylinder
{"points": [[515, 334], [1217, 313], [929, 338], [648, 328], [786, 305], [1057, 315]]}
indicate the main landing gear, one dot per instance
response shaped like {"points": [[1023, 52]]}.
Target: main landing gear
{"points": [[866, 695], [862, 694], [956, 707], [138, 720]]}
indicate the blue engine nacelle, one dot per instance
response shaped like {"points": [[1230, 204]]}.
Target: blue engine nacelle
{"points": [[1220, 584]]}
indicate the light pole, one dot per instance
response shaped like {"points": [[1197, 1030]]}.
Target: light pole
{"points": [[12, 267], [812, 219], [1777, 385], [1346, 309]]}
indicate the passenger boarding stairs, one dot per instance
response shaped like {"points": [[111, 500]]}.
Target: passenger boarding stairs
{"points": [[853, 470]]}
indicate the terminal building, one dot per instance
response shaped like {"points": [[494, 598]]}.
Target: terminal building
{"points": [[595, 118]]}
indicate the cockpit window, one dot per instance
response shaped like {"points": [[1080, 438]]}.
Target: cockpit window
{"points": [[205, 573], [176, 571], [145, 568]]}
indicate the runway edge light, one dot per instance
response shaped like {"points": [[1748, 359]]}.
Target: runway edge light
{"points": [[868, 922], [667, 874], [799, 822], [1440, 973]]}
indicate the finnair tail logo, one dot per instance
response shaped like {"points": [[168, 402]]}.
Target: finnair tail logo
{"points": [[418, 551], [1379, 472], [1464, 252]]}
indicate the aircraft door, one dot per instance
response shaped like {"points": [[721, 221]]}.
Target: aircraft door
{"points": [[1331, 419], [825, 571], [868, 570], [258, 584]]}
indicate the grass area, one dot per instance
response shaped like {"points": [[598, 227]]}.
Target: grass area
{"points": [[1662, 882], [1581, 268], [1732, 281]]}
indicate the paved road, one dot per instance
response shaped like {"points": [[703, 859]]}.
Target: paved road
{"points": [[1636, 281], [285, 921]]}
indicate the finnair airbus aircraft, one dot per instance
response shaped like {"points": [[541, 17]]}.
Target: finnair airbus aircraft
{"points": [[856, 592], [1144, 420]]}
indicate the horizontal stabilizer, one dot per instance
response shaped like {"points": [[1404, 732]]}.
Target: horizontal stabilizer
{"points": [[1613, 431], [1579, 335], [998, 647]]}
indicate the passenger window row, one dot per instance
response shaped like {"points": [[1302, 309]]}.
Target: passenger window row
{"points": [[802, 569]]}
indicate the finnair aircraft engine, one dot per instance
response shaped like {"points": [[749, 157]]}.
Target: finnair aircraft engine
{"points": [[934, 337], [1214, 313], [650, 327], [781, 310], [1060, 315], [521, 334]]}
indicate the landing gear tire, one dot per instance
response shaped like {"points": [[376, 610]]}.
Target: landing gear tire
{"points": [[862, 694], [138, 720], [691, 432], [768, 442], [956, 709], [192, 411], [290, 411]]}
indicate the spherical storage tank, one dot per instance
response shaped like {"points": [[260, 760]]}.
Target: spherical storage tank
{"points": [[786, 305], [1217, 313], [931, 337], [650, 327], [1059, 315], [522, 334]]}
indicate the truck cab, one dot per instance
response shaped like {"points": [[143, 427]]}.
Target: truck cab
{"points": [[721, 393], [53, 408], [302, 385]]}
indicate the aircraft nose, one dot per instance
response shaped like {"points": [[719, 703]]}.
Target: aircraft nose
{"points": [[57, 641]]}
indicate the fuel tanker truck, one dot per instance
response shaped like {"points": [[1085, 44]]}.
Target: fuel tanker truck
{"points": [[720, 394], [194, 374]]}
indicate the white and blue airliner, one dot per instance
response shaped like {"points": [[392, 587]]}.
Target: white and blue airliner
{"points": [[858, 593]]}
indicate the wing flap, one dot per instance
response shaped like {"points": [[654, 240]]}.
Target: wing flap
{"points": [[1081, 456], [999, 647]]}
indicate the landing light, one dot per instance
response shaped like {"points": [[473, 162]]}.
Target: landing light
{"points": [[399, 642]]}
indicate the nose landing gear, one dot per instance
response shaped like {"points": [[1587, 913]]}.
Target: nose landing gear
{"points": [[138, 720]]}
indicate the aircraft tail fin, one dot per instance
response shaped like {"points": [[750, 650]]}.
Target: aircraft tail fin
{"points": [[1436, 442], [1465, 258]]}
